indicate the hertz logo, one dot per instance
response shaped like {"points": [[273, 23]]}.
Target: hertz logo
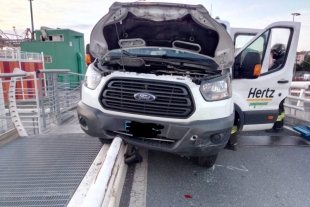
{"points": [[260, 95]]}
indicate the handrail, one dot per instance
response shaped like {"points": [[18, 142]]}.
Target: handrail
{"points": [[303, 86], [298, 98], [300, 84], [71, 73], [77, 74], [54, 71], [8, 75], [16, 55]]}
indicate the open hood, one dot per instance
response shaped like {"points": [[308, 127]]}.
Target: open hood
{"points": [[140, 24]]}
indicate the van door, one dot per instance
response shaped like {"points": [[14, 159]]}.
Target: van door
{"points": [[257, 99]]}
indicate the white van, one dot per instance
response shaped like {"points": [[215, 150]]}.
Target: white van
{"points": [[166, 77]]}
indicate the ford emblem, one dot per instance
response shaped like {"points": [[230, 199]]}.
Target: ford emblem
{"points": [[144, 97]]}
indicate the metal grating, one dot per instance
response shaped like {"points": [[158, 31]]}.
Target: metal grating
{"points": [[172, 99], [44, 170]]}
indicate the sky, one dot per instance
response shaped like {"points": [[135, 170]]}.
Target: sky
{"points": [[82, 15]]}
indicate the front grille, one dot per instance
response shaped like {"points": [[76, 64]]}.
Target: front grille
{"points": [[173, 100]]}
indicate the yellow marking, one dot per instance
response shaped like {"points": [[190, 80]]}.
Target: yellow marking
{"points": [[259, 99]]}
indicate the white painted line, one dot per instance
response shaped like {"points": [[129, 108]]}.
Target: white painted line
{"points": [[81, 192], [289, 128], [139, 185]]}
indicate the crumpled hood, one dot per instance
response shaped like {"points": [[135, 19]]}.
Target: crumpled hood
{"points": [[140, 24]]}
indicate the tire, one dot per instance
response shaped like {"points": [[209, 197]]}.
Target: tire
{"points": [[207, 161], [105, 141]]}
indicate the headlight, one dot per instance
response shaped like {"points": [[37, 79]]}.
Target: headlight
{"points": [[217, 90], [92, 78]]}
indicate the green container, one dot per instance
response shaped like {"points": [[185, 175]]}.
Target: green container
{"points": [[62, 49]]}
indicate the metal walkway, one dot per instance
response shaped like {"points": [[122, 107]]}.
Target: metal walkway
{"points": [[44, 170]]}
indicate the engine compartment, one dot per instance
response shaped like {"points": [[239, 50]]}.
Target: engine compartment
{"points": [[158, 66]]}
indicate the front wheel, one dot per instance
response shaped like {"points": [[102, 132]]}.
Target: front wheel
{"points": [[105, 141], [207, 161]]}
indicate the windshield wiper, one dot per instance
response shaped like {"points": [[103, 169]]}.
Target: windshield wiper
{"points": [[190, 62], [181, 63]]}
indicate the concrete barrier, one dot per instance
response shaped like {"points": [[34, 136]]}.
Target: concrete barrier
{"points": [[106, 187]]}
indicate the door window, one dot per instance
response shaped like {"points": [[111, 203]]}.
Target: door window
{"points": [[268, 50], [279, 39], [258, 46], [241, 40], [250, 57]]}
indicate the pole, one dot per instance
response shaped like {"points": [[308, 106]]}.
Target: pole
{"points": [[295, 14], [32, 32], [41, 99]]}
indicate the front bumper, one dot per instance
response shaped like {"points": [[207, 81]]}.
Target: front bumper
{"points": [[197, 138]]}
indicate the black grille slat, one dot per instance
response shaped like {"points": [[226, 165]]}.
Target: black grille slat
{"points": [[136, 103], [151, 86], [173, 100], [136, 109], [150, 91], [161, 100]]}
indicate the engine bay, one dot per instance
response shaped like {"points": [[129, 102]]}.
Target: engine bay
{"points": [[158, 66]]}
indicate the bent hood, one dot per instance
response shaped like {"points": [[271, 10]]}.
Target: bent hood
{"points": [[140, 24]]}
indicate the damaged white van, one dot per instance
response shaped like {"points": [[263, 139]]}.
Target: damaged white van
{"points": [[166, 77]]}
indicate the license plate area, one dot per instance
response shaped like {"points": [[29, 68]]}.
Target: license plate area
{"points": [[147, 130]]}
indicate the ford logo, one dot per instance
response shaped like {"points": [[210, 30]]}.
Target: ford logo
{"points": [[144, 97]]}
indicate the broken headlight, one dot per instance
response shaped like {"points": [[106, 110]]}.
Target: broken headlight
{"points": [[92, 77], [216, 89]]}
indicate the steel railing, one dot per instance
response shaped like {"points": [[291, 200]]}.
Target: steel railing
{"points": [[19, 107], [19, 55], [34, 101], [59, 95], [296, 101]]}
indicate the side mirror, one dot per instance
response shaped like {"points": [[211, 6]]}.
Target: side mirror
{"points": [[250, 67]]}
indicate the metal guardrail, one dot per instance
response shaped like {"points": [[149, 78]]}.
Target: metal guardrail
{"points": [[298, 96], [19, 55], [49, 100], [14, 111], [59, 95]]}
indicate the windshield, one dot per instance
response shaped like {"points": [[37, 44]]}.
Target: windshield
{"points": [[164, 53]]}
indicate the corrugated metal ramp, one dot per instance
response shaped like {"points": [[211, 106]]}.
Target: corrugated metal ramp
{"points": [[44, 170]]}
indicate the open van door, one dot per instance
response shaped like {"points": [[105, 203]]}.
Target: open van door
{"points": [[258, 86]]}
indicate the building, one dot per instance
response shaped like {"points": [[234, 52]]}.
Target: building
{"points": [[62, 49], [300, 57]]}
